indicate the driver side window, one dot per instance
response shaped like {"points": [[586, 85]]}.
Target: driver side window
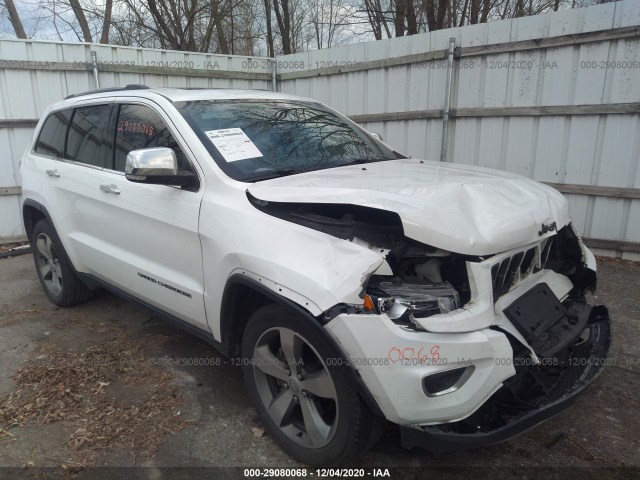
{"points": [[139, 126]]}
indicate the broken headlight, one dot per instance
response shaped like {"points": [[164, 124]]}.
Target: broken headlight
{"points": [[422, 300]]}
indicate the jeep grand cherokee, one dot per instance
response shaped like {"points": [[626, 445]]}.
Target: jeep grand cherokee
{"points": [[357, 286]]}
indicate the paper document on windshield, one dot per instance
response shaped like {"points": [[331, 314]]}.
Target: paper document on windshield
{"points": [[233, 144]]}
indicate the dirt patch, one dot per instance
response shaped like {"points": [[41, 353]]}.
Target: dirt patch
{"points": [[75, 388], [10, 318], [616, 261]]}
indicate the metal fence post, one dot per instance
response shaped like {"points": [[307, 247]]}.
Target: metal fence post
{"points": [[274, 78], [447, 99], [94, 65]]}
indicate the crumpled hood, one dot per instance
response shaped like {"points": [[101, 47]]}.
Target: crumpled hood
{"points": [[462, 209]]}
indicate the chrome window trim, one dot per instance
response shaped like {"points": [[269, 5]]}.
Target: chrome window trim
{"points": [[66, 160], [119, 101]]}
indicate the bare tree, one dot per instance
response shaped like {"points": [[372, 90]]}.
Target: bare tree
{"points": [[255, 27], [267, 10], [405, 18], [283, 16], [377, 18], [189, 25], [436, 11], [82, 20], [16, 23], [329, 18], [106, 22]]}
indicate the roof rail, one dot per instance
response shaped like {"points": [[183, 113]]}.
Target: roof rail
{"points": [[110, 89]]}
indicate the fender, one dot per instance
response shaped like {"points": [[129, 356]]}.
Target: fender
{"points": [[38, 206], [229, 328], [228, 305]]}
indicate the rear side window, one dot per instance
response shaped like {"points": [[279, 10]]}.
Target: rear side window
{"points": [[139, 126], [53, 134], [87, 138]]}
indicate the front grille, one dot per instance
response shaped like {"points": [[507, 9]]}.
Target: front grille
{"points": [[513, 269], [539, 386]]}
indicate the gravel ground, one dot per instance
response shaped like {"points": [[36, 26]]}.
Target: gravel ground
{"points": [[152, 411]]}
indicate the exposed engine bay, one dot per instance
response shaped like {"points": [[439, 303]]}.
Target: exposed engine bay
{"points": [[423, 280], [430, 280]]}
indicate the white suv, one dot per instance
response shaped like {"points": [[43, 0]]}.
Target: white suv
{"points": [[356, 285]]}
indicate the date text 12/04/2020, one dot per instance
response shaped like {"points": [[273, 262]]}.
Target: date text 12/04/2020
{"points": [[318, 472]]}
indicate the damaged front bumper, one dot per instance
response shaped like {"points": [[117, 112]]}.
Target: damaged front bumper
{"points": [[461, 390], [514, 408], [519, 351]]}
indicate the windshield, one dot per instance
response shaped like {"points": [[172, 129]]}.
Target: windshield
{"points": [[257, 140]]}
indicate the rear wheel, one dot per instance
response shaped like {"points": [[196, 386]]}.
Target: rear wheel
{"points": [[307, 402], [59, 281]]}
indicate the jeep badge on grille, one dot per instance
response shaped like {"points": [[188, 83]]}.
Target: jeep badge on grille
{"points": [[548, 227]]}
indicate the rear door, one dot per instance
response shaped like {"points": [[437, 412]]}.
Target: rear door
{"points": [[66, 161]]}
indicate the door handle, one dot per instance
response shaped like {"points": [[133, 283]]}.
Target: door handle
{"points": [[53, 173], [110, 189]]}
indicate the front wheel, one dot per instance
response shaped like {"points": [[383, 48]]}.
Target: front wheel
{"points": [[307, 403]]}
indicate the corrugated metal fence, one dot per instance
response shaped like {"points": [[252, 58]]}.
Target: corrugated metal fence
{"points": [[554, 97]]}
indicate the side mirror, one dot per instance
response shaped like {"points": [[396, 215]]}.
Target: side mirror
{"points": [[377, 136], [156, 166]]}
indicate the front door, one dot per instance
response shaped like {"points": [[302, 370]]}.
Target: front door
{"points": [[142, 239]]}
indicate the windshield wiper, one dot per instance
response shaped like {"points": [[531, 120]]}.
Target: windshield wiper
{"points": [[274, 174], [268, 175], [359, 161]]}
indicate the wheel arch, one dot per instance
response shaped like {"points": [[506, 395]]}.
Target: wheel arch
{"points": [[32, 213], [235, 314], [241, 297]]}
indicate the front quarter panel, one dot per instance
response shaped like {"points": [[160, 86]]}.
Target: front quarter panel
{"points": [[310, 268]]}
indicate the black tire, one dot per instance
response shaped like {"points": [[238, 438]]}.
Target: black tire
{"points": [[378, 428], [351, 425], [57, 277]]}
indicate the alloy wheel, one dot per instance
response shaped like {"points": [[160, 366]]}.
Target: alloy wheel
{"points": [[295, 387], [49, 264]]}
